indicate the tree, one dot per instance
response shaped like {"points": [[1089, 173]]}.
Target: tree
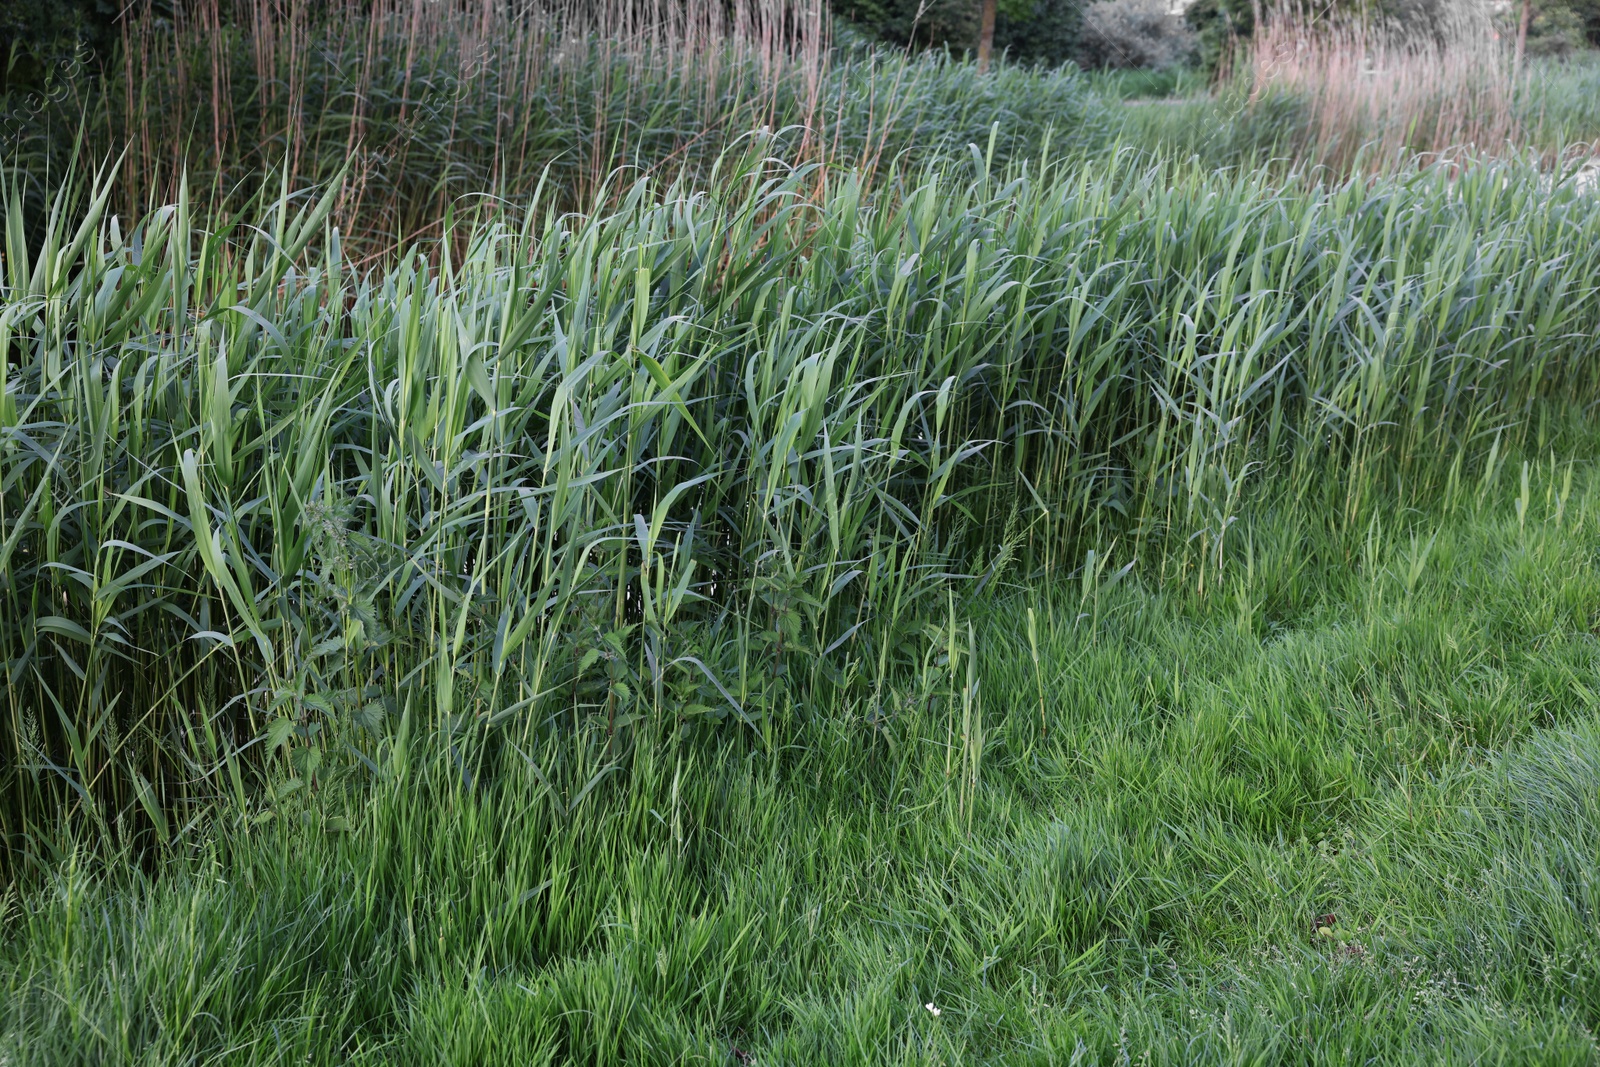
{"points": [[991, 8], [1522, 34]]}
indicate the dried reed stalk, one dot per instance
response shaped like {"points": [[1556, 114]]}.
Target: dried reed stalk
{"points": [[384, 83], [1386, 95]]}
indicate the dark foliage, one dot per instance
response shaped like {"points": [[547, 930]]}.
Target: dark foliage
{"points": [[1219, 24], [40, 38], [1047, 34], [1029, 31]]}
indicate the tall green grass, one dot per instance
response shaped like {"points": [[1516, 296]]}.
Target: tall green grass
{"points": [[1558, 99], [1362, 830], [720, 458]]}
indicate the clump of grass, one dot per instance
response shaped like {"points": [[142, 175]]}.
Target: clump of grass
{"points": [[1173, 82], [709, 457]]}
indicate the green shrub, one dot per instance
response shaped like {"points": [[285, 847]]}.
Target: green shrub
{"points": [[1134, 34]]}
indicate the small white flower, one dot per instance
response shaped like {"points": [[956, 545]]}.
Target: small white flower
{"points": [[932, 1010]]}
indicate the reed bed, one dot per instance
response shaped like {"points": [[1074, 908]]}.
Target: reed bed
{"points": [[1390, 94], [525, 545], [1351, 95], [412, 105], [730, 457], [1556, 100]]}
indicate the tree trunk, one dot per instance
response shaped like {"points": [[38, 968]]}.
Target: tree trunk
{"points": [[1522, 34], [986, 35]]}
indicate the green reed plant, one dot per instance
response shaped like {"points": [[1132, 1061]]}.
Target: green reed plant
{"points": [[707, 455], [1557, 98]]}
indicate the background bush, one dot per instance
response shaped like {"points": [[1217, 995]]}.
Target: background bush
{"points": [[1134, 33], [1028, 31], [38, 35], [1557, 29], [1047, 32]]}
